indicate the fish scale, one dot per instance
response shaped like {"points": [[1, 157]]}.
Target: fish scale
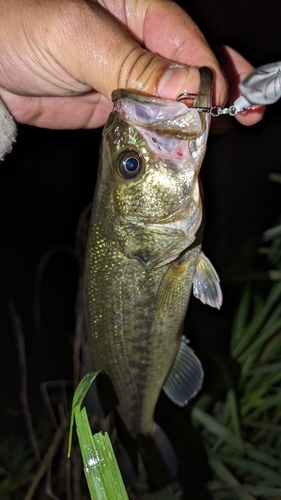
{"points": [[112, 353], [144, 256]]}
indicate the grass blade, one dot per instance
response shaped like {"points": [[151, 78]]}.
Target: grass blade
{"points": [[253, 400], [264, 336], [100, 466], [246, 466], [80, 393], [241, 317], [236, 445], [273, 428], [256, 324], [229, 479], [214, 427], [232, 407], [263, 406], [265, 369], [260, 491]]}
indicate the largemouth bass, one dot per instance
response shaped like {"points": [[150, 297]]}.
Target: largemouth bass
{"points": [[144, 252]]}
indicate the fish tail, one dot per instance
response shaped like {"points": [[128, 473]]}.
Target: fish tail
{"points": [[157, 453], [158, 456]]}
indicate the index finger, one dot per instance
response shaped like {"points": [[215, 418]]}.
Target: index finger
{"points": [[236, 68]]}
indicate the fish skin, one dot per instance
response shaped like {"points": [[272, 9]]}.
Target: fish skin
{"points": [[144, 244]]}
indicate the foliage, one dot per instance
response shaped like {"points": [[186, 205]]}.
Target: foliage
{"points": [[241, 431], [100, 466], [16, 468], [272, 241], [242, 434]]}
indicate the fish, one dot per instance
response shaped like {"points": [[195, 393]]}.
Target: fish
{"points": [[144, 257]]}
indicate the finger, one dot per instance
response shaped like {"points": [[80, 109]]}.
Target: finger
{"points": [[178, 38], [72, 48], [118, 61], [165, 29], [87, 111], [236, 68]]}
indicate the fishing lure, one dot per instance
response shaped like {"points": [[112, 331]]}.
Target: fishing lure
{"points": [[261, 87]]}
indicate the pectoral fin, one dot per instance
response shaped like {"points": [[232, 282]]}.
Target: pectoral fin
{"points": [[186, 376], [173, 290], [206, 283], [175, 287]]}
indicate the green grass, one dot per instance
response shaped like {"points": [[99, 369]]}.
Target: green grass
{"points": [[242, 434], [100, 466]]}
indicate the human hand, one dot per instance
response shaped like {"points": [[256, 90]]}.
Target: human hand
{"points": [[60, 61]]}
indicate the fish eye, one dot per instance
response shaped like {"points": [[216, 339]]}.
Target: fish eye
{"points": [[130, 165]]}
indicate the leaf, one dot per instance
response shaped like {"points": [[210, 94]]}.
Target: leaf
{"points": [[229, 479], [80, 393], [260, 491], [246, 466], [241, 317], [268, 403], [232, 406], [265, 335], [257, 424], [257, 322], [100, 466], [272, 349], [212, 425], [253, 399], [236, 444], [265, 369]]}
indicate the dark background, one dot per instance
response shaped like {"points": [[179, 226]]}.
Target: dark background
{"points": [[49, 178]]}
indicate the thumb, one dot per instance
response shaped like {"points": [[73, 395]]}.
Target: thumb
{"points": [[105, 57], [72, 48]]}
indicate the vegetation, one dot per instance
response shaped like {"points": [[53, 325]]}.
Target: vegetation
{"points": [[242, 434], [241, 431]]}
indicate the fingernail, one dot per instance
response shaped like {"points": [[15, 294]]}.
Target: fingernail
{"points": [[178, 79]]}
